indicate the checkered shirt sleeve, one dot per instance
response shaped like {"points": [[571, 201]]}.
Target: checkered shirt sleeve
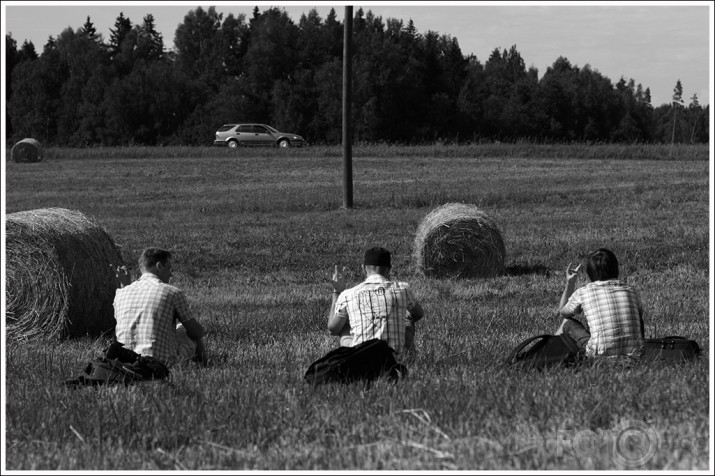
{"points": [[613, 311]]}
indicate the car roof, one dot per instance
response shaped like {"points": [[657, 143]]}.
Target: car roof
{"points": [[246, 124], [250, 124]]}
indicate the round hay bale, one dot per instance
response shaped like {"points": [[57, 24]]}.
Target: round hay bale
{"points": [[58, 280], [26, 150], [458, 240]]}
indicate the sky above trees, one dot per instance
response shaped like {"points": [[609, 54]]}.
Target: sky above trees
{"points": [[656, 44]]}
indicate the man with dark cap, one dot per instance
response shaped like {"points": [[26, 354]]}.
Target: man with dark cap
{"points": [[377, 308]]}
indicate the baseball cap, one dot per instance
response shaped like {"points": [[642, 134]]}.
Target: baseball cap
{"points": [[377, 257]]}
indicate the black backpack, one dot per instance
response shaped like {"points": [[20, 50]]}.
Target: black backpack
{"points": [[545, 351], [669, 349], [119, 365], [365, 362]]}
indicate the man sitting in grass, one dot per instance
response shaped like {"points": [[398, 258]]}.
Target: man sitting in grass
{"points": [[148, 309], [377, 308], [612, 309]]}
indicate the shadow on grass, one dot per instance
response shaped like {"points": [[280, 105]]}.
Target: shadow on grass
{"points": [[523, 269]]}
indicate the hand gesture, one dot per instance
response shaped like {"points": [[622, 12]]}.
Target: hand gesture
{"points": [[122, 275], [571, 273], [338, 280]]}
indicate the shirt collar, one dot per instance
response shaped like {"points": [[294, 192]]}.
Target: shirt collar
{"points": [[609, 282], [376, 278], [149, 277]]}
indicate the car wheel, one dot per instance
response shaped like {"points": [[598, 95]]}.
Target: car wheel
{"points": [[284, 143], [233, 144]]}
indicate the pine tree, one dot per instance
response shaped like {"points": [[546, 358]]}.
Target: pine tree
{"points": [[27, 51], [150, 44], [89, 30], [678, 93], [122, 27], [50, 45]]}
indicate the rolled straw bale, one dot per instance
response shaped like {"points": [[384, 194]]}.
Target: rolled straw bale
{"points": [[26, 150], [58, 280], [459, 240]]}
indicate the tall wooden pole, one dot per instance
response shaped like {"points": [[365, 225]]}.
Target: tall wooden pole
{"points": [[347, 102]]}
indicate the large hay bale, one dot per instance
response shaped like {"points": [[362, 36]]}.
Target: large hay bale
{"points": [[26, 150], [58, 280], [458, 240]]}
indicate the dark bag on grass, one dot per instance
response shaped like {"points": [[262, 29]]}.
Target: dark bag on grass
{"points": [[544, 351], [120, 365], [670, 349], [364, 362]]}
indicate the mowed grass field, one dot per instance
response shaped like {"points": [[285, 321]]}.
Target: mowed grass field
{"points": [[255, 236]]}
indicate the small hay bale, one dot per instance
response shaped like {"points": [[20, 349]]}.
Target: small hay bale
{"points": [[459, 240], [58, 280], [27, 150]]}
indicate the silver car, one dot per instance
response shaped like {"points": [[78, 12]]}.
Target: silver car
{"points": [[234, 135]]}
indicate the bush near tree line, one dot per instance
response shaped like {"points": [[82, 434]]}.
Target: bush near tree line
{"points": [[408, 87]]}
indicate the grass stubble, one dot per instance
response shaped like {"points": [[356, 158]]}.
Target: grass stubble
{"points": [[255, 236]]}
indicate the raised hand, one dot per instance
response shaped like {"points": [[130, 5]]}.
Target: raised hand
{"points": [[338, 280], [571, 273], [122, 275]]}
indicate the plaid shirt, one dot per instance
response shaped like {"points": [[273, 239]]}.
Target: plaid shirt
{"points": [[377, 308], [614, 314], [146, 312]]}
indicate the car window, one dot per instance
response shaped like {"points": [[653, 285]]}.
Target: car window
{"points": [[260, 129], [244, 129], [226, 128]]}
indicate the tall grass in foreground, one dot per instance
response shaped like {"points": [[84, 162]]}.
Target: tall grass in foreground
{"points": [[255, 237]]}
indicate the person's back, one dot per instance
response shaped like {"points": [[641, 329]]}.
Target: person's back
{"points": [[612, 309], [377, 307], [142, 311], [153, 318]]}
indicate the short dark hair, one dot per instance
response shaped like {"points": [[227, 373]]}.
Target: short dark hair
{"points": [[602, 265], [151, 256]]}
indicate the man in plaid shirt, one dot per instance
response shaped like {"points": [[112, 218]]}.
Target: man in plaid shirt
{"points": [[377, 308], [153, 317], [612, 309]]}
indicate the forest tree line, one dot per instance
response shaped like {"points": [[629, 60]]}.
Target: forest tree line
{"points": [[408, 87]]}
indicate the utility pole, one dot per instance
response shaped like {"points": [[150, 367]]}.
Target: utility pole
{"points": [[347, 102]]}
